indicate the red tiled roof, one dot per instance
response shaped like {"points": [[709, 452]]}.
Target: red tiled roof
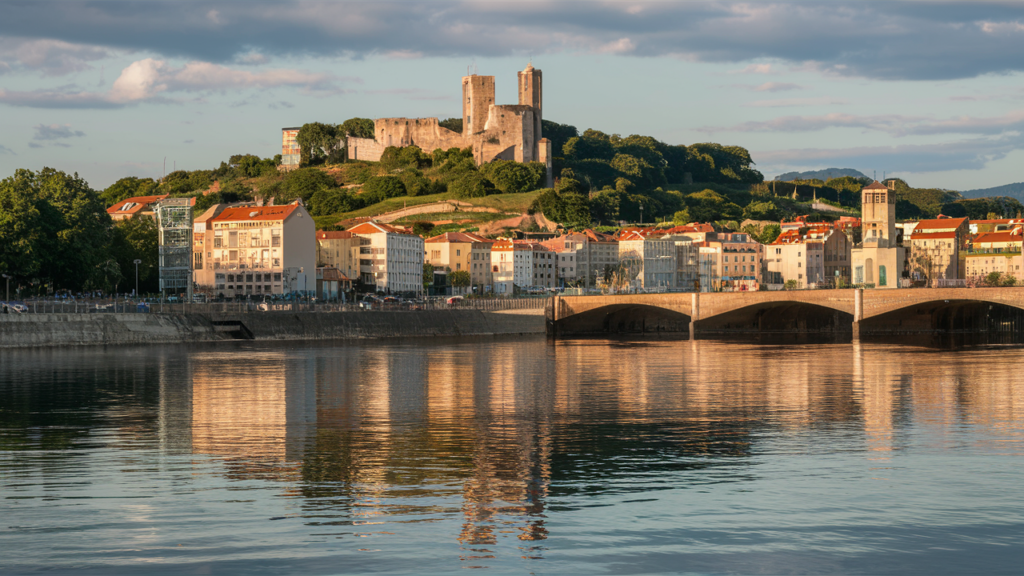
{"points": [[333, 234], [931, 235], [940, 224], [457, 237], [136, 204], [789, 237], [876, 185], [995, 237], [255, 213], [376, 228]]}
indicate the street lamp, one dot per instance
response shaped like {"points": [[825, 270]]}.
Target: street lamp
{"points": [[7, 298], [137, 262]]}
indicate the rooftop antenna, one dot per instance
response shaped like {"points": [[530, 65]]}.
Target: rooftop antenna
{"points": [[874, 175]]}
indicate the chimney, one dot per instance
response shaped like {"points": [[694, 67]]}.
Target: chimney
{"points": [[891, 184]]}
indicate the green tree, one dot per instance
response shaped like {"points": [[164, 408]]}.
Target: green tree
{"points": [[303, 183], [460, 279], [379, 188], [137, 239], [316, 140], [470, 185], [790, 285], [453, 124], [762, 211], [127, 188], [356, 128], [511, 177], [422, 228]]}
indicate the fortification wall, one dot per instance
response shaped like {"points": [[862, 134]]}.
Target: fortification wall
{"points": [[364, 149]]}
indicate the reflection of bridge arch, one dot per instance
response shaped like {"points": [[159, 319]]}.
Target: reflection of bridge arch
{"points": [[920, 309]]}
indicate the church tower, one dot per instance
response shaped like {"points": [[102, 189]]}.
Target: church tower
{"points": [[878, 215]]}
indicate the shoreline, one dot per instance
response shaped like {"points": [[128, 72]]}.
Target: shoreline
{"points": [[56, 330]]}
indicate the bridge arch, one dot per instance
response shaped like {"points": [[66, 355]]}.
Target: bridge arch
{"points": [[788, 316], [984, 314], [624, 318]]}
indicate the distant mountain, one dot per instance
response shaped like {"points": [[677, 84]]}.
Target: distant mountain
{"points": [[1010, 190], [820, 174]]}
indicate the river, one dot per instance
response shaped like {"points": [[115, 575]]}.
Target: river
{"points": [[512, 456]]}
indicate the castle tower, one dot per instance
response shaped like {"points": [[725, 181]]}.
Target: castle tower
{"points": [[477, 98], [531, 94], [878, 215]]}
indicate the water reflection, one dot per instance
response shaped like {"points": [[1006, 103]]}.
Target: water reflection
{"points": [[497, 438]]}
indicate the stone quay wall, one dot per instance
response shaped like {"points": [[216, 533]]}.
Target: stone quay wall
{"points": [[34, 330]]}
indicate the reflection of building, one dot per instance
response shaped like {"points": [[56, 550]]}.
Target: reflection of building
{"points": [[878, 259]]}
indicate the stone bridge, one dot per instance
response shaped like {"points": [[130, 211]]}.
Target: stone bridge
{"points": [[919, 310]]}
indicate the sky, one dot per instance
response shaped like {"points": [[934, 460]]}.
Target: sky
{"points": [[929, 91]]}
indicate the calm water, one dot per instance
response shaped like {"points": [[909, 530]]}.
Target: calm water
{"points": [[512, 457]]}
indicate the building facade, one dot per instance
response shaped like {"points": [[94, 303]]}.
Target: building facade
{"points": [[291, 153], [257, 251], [994, 252], [139, 206], [936, 247], [339, 249], [392, 261], [656, 256], [458, 251], [879, 259]]}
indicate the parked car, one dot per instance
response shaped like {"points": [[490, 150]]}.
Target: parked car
{"points": [[454, 300]]}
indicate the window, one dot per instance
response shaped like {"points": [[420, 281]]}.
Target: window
{"points": [[458, 252]]}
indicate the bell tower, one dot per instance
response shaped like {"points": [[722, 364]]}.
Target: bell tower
{"points": [[878, 215]]}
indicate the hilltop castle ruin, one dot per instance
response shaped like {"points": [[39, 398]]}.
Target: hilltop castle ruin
{"points": [[495, 132]]}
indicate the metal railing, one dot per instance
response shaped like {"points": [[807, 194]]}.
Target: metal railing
{"points": [[120, 306]]}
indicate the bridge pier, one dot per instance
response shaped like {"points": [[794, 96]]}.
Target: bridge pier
{"points": [[694, 314], [858, 311]]}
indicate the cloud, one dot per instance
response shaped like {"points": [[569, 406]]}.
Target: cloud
{"points": [[151, 80], [895, 125], [927, 39], [34, 145], [776, 87], [56, 132], [969, 154], [792, 102], [6, 150], [47, 56]]}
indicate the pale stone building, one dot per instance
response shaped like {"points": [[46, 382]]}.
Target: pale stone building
{"points": [[793, 257], [393, 259], [879, 259], [995, 252], [656, 256], [505, 132], [511, 266], [457, 251], [340, 250], [255, 251], [936, 247]]}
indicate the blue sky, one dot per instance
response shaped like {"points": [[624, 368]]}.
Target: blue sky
{"points": [[927, 90]]}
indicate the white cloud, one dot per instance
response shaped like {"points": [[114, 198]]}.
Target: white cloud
{"points": [[50, 57], [152, 80], [620, 46]]}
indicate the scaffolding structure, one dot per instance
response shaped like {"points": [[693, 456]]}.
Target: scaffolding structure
{"points": [[174, 222]]}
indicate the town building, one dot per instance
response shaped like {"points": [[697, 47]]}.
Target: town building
{"points": [[740, 260], [654, 258], [339, 249], [331, 284], [935, 249], [392, 262], [505, 132], [139, 206], [793, 257], [994, 252], [291, 153], [460, 251], [687, 262], [511, 266], [255, 251], [879, 259]]}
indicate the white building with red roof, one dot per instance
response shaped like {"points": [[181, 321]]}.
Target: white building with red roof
{"points": [[135, 207], [995, 252], [393, 259], [935, 248], [256, 251]]}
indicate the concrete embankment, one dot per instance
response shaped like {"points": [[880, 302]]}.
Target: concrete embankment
{"points": [[29, 330]]}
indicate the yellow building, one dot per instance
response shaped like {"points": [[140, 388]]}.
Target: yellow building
{"points": [[935, 247], [456, 251], [995, 252], [339, 249]]}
